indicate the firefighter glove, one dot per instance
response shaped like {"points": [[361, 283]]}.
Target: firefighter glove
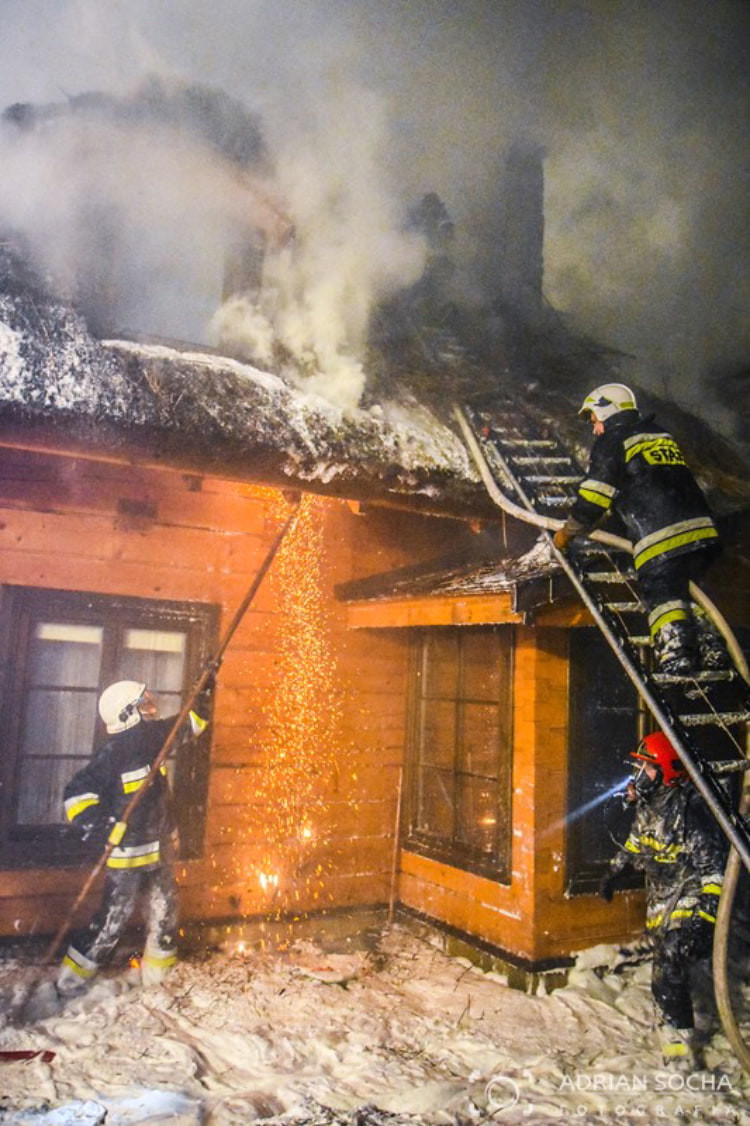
{"points": [[563, 538]]}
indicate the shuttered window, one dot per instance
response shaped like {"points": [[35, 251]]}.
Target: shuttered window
{"points": [[459, 764], [63, 648]]}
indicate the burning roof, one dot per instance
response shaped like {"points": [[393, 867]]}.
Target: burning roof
{"points": [[208, 413]]}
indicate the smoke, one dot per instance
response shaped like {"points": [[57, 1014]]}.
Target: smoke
{"points": [[349, 250], [642, 110]]}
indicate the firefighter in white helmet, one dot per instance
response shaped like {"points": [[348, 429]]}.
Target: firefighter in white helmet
{"points": [[140, 865], [637, 471]]}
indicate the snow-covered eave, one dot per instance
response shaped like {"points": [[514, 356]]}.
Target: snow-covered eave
{"points": [[71, 435]]}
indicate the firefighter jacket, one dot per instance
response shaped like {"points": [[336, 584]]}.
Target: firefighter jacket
{"points": [[96, 797], [679, 847], [638, 471]]}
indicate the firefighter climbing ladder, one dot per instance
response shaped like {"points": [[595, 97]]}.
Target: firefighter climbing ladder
{"points": [[531, 475]]}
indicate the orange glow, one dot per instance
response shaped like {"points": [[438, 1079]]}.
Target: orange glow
{"points": [[299, 741]]}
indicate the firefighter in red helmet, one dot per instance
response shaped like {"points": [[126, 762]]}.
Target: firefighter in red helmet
{"points": [[682, 852]]}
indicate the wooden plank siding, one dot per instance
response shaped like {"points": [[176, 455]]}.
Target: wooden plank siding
{"points": [[310, 719], [82, 525]]}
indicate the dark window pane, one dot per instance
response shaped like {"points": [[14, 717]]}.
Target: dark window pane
{"points": [[438, 743], [61, 649], [480, 739], [482, 670], [156, 657], [603, 730], [440, 667], [460, 746], [478, 814], [64, 654], [436, 807]]}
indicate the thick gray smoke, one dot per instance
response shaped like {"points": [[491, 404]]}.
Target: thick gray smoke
{"points": [[641, 108]]}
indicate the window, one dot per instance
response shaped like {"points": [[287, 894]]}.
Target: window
{"points": [[459, 779], [61, 649], [603, 728]]}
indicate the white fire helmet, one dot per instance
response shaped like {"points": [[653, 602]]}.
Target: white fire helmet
{"points": [[607, 400], [118, 705]]}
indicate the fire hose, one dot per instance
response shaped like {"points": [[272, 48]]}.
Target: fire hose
{"points": [[209, 671], [720, 956]]}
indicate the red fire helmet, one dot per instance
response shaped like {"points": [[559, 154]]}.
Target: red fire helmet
{"points": [[656, 748]]}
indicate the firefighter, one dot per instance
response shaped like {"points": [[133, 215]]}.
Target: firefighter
{"points": [[682, 852], [638, 471], [140, 865]]}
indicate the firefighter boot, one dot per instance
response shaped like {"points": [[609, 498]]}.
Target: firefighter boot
{"points": [[156, 963], [712, 650], [75, 973], [678, 1048], [674, 646]]}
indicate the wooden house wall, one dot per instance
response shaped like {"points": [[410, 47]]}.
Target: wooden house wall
{"points": [[532, 918], [309, 718]]}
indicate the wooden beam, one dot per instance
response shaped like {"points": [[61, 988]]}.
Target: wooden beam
{"points": [[446, 610]]}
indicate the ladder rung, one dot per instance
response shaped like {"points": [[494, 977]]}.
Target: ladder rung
{"points": [[724, 719], [551, 479], [528, 443], [705, 676], [562, 459], [609, 577]]}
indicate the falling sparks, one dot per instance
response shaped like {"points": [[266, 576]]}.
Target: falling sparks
{"points": [[301, 719]]}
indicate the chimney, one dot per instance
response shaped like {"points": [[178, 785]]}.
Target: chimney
{"points": [[522, 229], [243, 266]]}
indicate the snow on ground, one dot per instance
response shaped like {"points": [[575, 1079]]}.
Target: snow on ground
{"points": [[393, 1031]]}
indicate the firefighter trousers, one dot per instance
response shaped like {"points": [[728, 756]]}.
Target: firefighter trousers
{"points": [[91, 947]]}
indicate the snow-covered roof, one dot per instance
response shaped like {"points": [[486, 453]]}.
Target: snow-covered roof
{"points": [[192, 409], [530, 578], [208, 413]]}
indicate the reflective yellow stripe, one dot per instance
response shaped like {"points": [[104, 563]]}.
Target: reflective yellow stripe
{"points": [[711, 889], [596, 492], [197, 724], [117, 832], [706, 916], [81, 971], [656, 449], [595, 498], [674, 1050], [73, 808], [669, 852], [663, 620], [672, 542], [134, 861], [161, 960]]}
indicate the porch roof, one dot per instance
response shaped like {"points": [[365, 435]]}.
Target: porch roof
{"points": [[454, 591]]}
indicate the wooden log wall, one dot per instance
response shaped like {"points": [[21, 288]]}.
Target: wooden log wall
{"points": [[309, 718]]}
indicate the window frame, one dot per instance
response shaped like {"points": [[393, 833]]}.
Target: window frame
{"points": [[21, 608], [449, 849]]}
